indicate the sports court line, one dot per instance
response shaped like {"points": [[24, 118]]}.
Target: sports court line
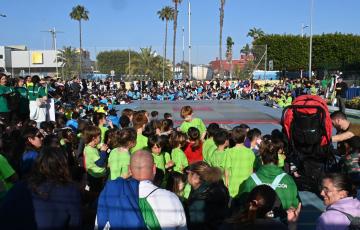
{"points": [[232, 122]]}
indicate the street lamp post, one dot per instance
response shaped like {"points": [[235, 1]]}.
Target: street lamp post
{"points": [[302, 29], [311, 36]]}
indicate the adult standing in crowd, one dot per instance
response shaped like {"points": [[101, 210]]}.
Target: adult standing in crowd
{"points": [[38, 100], [159, 208], [337, 192], [4, 94], [341, 88]]}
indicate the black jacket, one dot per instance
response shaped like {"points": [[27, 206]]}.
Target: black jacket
{"points": [[207, 206]]}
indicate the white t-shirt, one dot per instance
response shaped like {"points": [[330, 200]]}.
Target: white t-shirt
{"points": [[165, 204]]}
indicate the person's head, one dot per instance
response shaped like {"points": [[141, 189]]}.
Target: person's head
{"points": [[128, 112], [124, 138], [167, 116], [154, 114], [33, 138], [35, 79], [155, 144], [99, 119], [200, 172], [50, 166], [254, 136], [238, 134], [212, 129], [92, 134], [244, 126], [335, 187], [139, 120], [166, 125], [142, 166], [339, 121], [194, 136], [269, 150], [176, 183], [221, 137], [177, 139], [340, 79], [124, 121], [3, 79], [186, 113]]}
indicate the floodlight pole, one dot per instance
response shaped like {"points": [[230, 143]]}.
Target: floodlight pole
{"points": [[311, 37], [189, 15]]}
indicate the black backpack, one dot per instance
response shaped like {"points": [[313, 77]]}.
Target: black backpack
{"points": [[13, 99]]}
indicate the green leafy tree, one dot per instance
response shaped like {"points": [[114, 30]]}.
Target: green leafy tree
{"points": [[229, 53], [68, 59], [79, 13], [166, 14], [176, 4], [117, 60], [246, 50], [255, 33], [222, 5]]}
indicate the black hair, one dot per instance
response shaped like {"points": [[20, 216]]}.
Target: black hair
{"points": [[338, 115], [253, 133], [221, 136], [212, 129], [124, 121]]}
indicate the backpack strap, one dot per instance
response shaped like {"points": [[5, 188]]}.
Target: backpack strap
{"points": [[151, 193], [350, 217], [277, 181], [256, 179]]}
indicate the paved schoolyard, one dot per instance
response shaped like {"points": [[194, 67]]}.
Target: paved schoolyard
{"points": [[229, 114]]}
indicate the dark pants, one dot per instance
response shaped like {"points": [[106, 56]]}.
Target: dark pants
{"points": [[5, 118], [341, 103]]}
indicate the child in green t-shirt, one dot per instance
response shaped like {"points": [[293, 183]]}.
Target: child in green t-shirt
{"points": [[94, 161], [221, 139], [239, 162], [177, 142], [139, 122], [187, 113], [209, 144], [162, 160], [119, 159]]}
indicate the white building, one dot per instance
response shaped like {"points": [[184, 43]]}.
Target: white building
{"points": [[18, 60], [202, 72]]}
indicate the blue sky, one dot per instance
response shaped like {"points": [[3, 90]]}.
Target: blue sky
{"points": [[123, 24]]}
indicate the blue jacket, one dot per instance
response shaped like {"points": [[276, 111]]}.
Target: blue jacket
{"points": [[119, 205]]}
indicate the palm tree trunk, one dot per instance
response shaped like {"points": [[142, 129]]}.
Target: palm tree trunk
{"points": [[80, 56], [166, 30], [221, 72], [174, 41]]}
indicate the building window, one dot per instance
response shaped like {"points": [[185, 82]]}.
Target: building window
{"points": [[1, 56]]}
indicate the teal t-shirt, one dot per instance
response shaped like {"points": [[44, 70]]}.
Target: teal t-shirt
{"points": [[196, 122], [35, 92], [239, 164], [118, 163]]}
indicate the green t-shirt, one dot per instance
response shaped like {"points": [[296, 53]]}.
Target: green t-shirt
{"points": [[141, 143], [24, 100], [91, 155], [208, 148], [239, 163], [118, 163], [160, 160], [179, 159], [196, 122], [286, 190], [4, 108], [36, 92], [218, 158], [103, 131], [6, 171]]}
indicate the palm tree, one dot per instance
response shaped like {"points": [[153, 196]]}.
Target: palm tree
{"points": [[246, 50], [229, 53], [256, 33], [167, 14], [222, 4], [79, 13], [67, 57], [176, 2]]}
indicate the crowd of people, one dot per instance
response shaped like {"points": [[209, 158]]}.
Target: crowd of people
{"points": [[68, 160]]}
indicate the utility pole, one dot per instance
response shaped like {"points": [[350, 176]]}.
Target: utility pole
{"points": [[311, 36], [53, 33], [189, 15], [302, 29]]}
